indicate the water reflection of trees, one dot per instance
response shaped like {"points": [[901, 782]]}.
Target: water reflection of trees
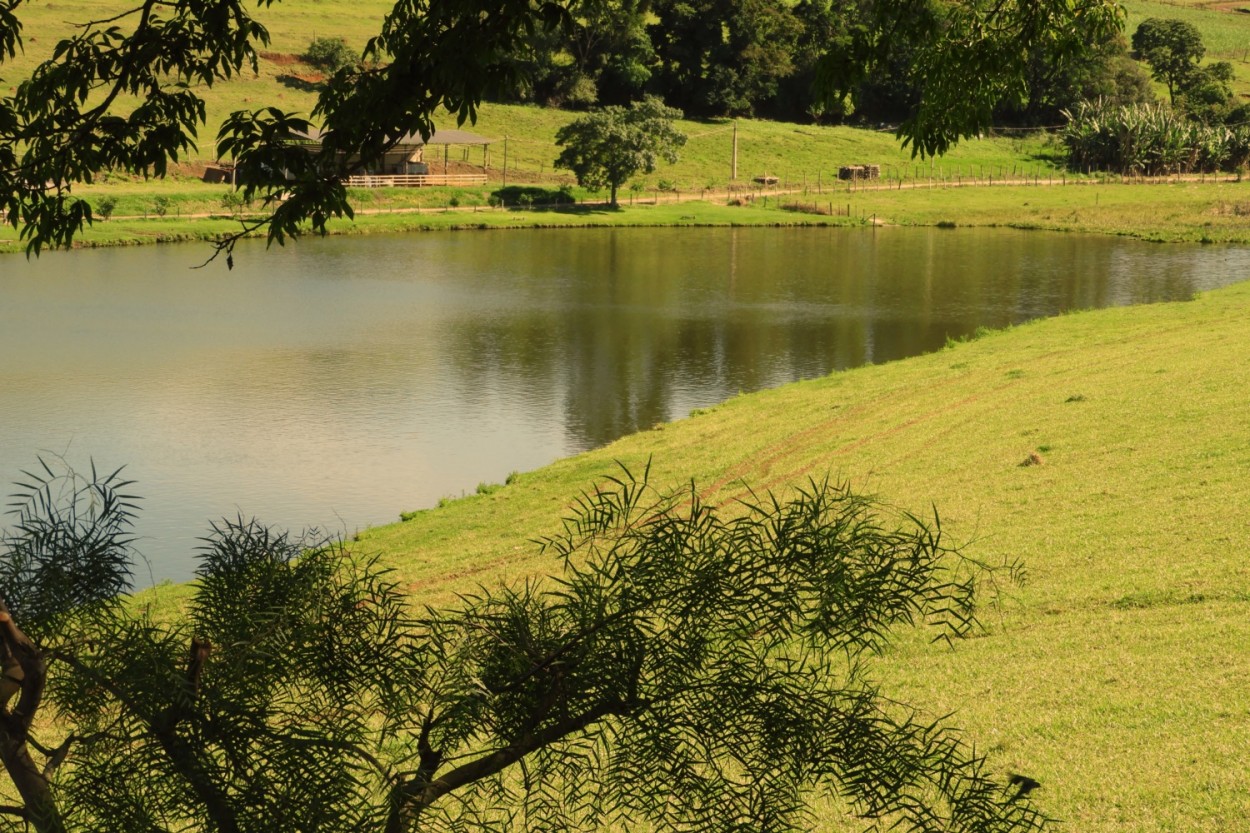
{"points": [[634, 327], [371, 375], [606, 332]]}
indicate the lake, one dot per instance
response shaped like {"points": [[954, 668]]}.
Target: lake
{"points": [[338, 382]]}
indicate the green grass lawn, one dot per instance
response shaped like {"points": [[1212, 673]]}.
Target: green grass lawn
{"points": [[1116, 675], [1187, 211], [1211, 211]]}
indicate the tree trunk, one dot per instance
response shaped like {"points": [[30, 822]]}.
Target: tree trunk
{"points": [[36, 793], [24, 665]]}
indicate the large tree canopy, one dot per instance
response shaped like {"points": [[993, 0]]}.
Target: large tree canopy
{"points": [[967, 56], [432, 60], [1172, 48], [605, 148]]}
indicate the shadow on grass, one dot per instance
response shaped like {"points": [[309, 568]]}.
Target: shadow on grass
{"points": [[513, 196], [589, 209], [297, 82]]}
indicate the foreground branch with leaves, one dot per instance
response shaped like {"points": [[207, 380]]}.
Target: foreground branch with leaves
{"points": [[688, 667], [126, 92]]}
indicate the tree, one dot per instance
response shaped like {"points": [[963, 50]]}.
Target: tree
{"points": [[967, 57], [1208, 94], [690, 668], [823, 24], [1172, 48], [1092, 70], [723, 57], [602, 57], [605, 148], [433, 60]]}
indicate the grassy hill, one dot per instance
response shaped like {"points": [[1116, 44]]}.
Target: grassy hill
{"points": [[791, 151], [801, 155], [1116, 674]]}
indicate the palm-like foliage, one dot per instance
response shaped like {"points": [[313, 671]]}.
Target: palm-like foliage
{"points": [[1150, 140]]}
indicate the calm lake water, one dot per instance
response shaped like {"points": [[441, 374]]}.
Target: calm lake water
{"points": [[339, 382]]}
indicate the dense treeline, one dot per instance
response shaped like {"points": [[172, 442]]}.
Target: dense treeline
{"points": [[817, 60], [764, 58]]}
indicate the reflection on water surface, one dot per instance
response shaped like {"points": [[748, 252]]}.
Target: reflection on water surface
{"points": [[338, 382]]}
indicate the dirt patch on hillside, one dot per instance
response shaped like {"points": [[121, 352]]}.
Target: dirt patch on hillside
{"points": [[307, 82], [1237, 7], [281, 58]]}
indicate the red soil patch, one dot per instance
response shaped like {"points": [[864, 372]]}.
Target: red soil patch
{"points": [[1241, 6], [281, 58]]}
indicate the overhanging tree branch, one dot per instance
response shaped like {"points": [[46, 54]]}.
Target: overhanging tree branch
{"points": [[693, 669]]}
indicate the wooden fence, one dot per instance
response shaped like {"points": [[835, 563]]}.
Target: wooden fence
{"points": [[414, 180]]}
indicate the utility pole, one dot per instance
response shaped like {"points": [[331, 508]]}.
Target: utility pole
{"points": [[734, 175]]}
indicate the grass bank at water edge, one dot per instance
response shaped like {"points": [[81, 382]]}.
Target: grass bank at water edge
{"points": [[1210, 211], [1116, 674]]}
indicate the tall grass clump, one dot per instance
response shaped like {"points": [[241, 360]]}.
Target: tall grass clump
{"points": [[1150, 140]]}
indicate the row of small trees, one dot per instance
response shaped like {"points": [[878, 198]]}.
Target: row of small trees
{"points": [[1151, 140]]}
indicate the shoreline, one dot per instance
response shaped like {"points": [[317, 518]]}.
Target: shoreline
{"points": [[1136, 585], [1172, 211], [1135, 417]]}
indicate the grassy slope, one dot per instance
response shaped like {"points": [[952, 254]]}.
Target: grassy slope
{"points": [[1189, 211], [800, 154], [789, 150], [1116, 674], [792, 151]]}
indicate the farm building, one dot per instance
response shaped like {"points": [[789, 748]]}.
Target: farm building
{"points": [[415, 161]]}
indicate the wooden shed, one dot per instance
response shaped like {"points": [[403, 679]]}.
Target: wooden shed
{"points": [[415, 161]]}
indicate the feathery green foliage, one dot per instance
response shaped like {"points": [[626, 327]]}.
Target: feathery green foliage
{"points": [[696, 669], [1151, 140]]}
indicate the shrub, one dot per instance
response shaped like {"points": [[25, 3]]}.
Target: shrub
{"points": [[1150, 140], [233, 202], [105, 206], [330, 54]]}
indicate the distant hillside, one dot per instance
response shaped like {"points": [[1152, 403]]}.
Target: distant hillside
{"points": [[790, 151]]}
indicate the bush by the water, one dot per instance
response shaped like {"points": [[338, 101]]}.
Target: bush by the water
{"points": [[1150, 140]]}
